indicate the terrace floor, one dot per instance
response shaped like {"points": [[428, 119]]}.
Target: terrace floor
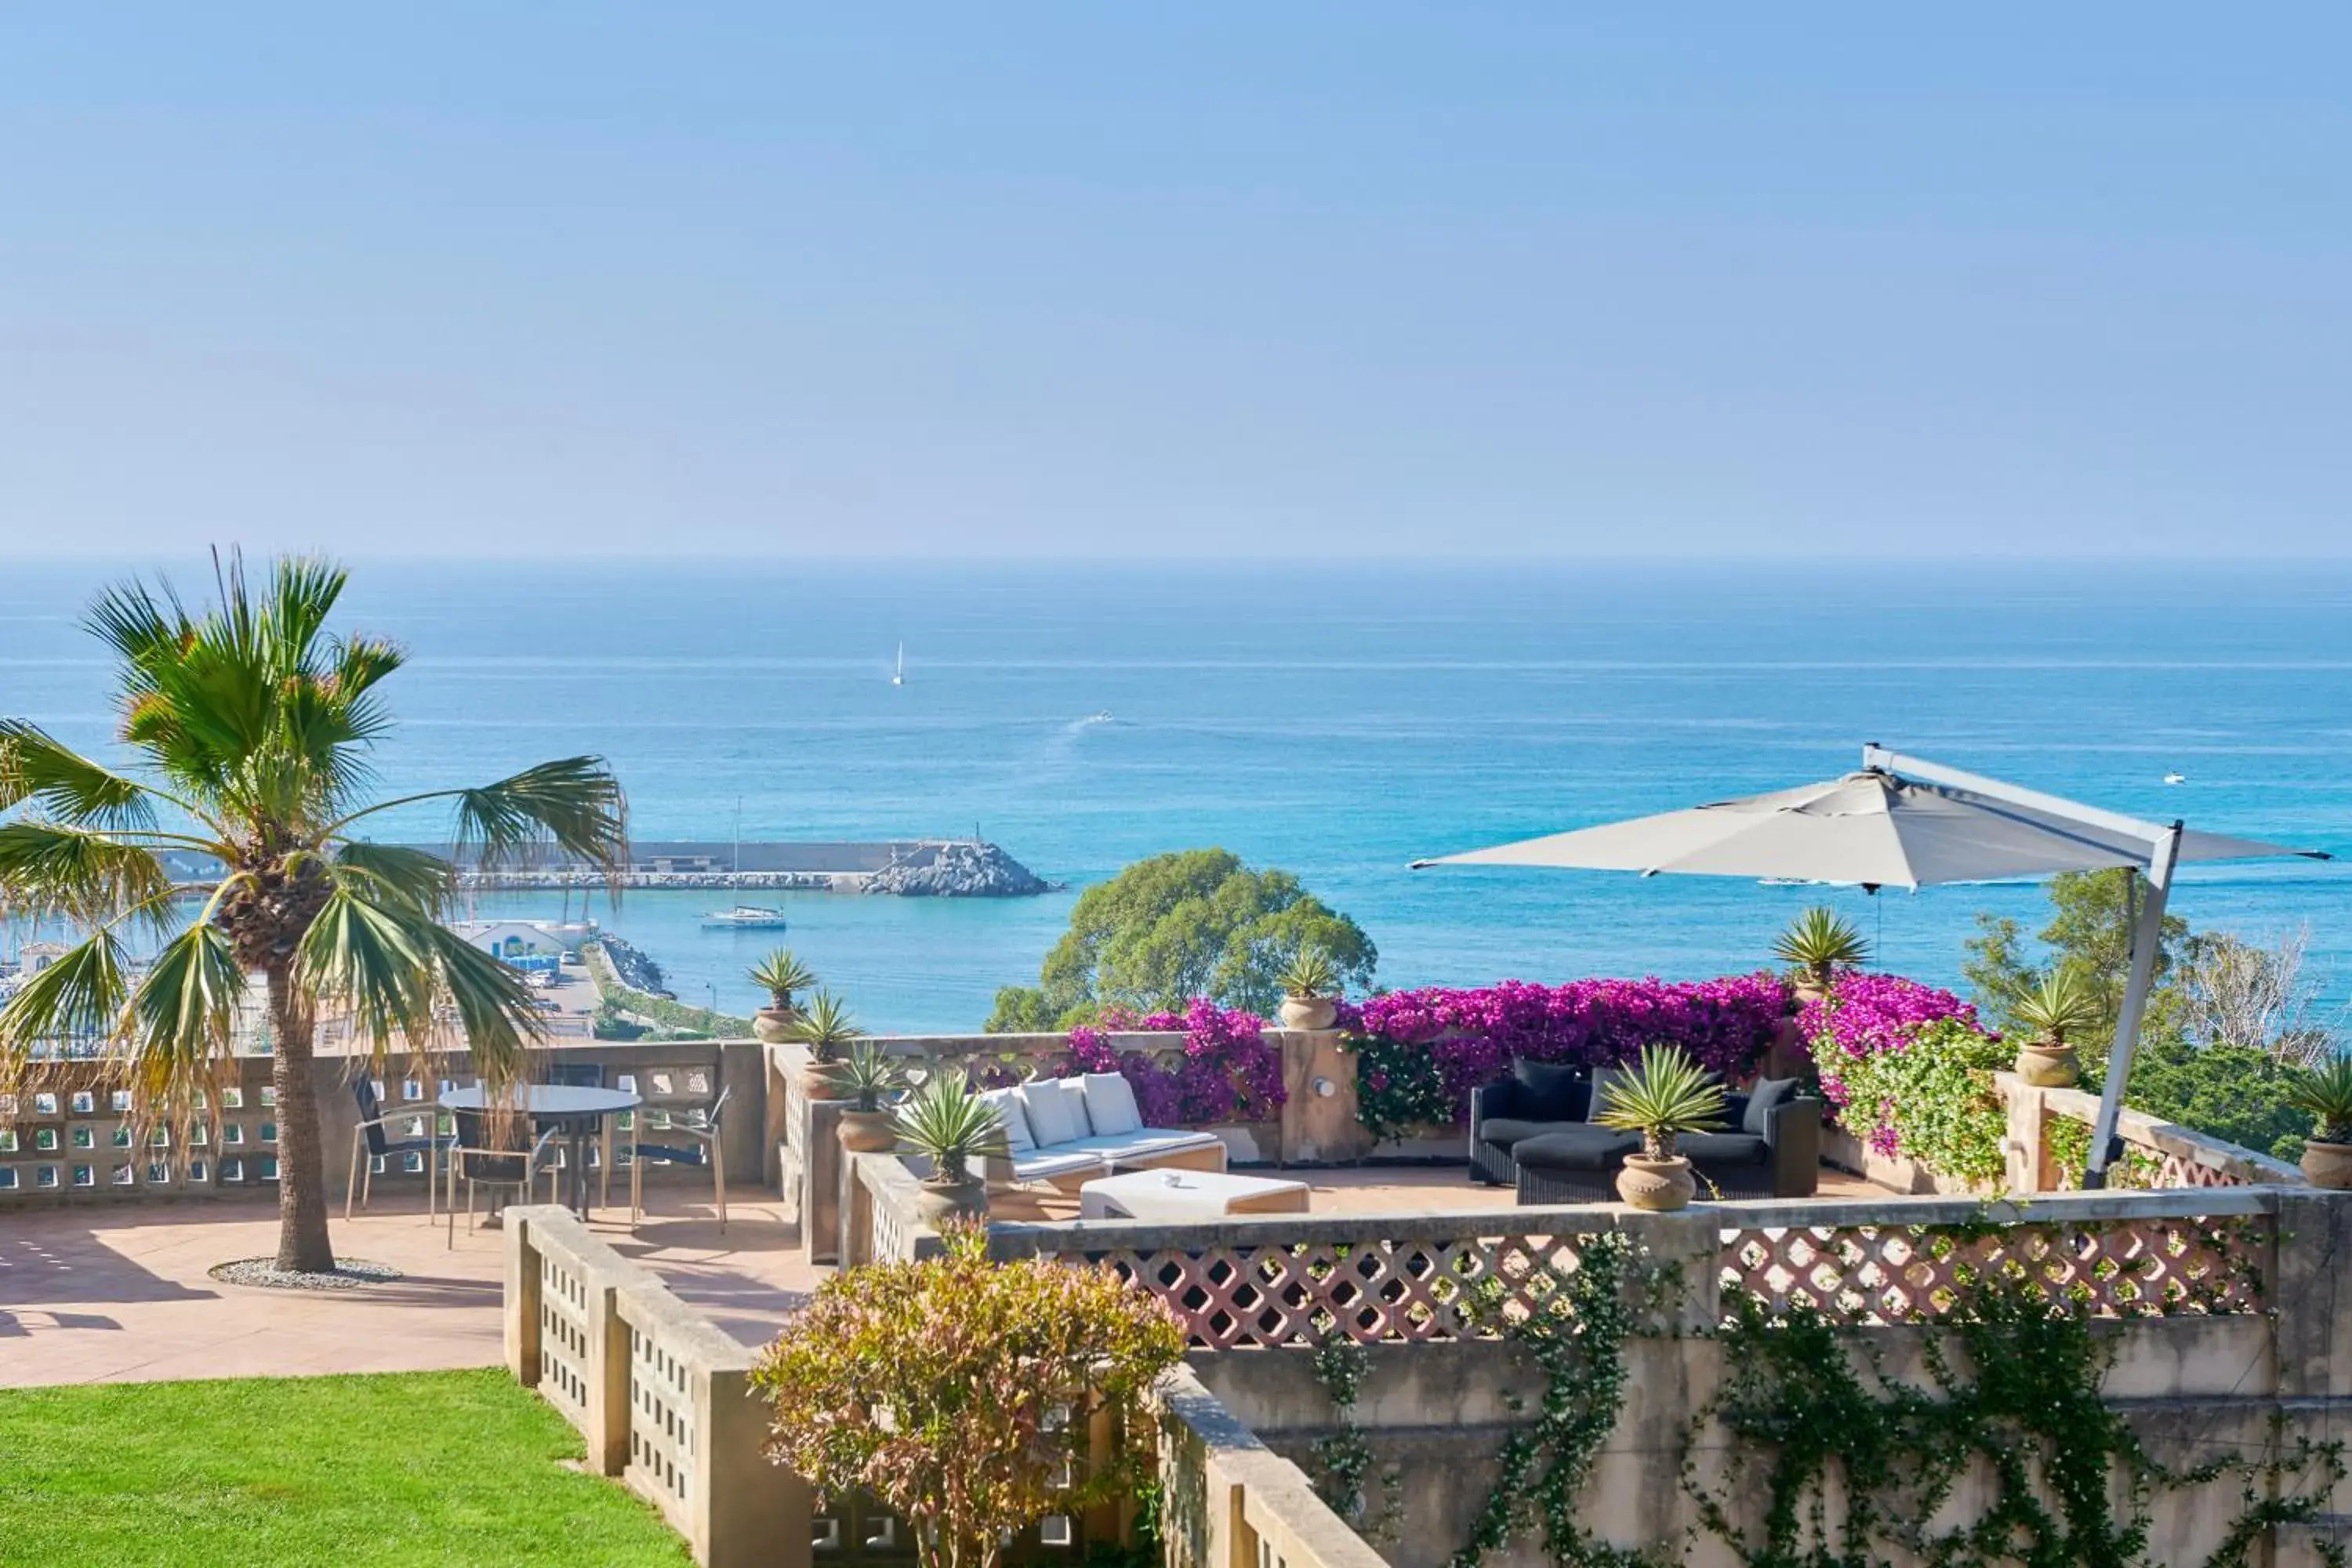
{"points": [[116, 1294]]}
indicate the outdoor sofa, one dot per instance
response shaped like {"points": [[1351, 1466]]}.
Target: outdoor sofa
{"points": [[1069, 1130], [1534, 1131]]}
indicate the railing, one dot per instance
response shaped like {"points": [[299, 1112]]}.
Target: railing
{"points": [[2158, 1154], [662, 1397], [1229, 1502], [879, 1221], [1282, 1282]]}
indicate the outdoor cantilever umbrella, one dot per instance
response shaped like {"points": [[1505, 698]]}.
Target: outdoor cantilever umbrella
{"points": [[1903, 822]]}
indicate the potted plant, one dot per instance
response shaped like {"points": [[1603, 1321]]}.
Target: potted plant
{"points": [[1816, 945], [826, 1027], [780, 974], [952, 1126], [1310, 989], [2325, 1091], [868, 1076], [1667, 1095], [2059, 1004]]}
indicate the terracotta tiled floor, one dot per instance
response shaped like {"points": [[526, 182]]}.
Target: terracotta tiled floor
{"points": [[95, 1294]]}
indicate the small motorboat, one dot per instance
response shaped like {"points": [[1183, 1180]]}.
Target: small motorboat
{"points": [[746, 917], [2176, 778]]}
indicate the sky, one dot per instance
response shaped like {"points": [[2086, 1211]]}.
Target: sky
{"points": [[1313, 282]]}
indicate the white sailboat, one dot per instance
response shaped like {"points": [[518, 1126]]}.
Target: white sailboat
{"points": [[898, 673]]}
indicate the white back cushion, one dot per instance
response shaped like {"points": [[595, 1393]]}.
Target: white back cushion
{"points": [[1057, 1111], [1110, 1104], [1006, 1102]]}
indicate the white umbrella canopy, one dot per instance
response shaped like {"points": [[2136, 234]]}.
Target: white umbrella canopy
{"points": [[1872, 827], [1904, 822]]}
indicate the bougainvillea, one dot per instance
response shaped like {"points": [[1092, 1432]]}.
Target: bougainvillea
{"points": [[1421, 1052], [1908, 1068], [1230, 1072]]}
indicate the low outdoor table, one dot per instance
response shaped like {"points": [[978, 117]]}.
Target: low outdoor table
{"points": [[1178, 1197], [575, 1111]]}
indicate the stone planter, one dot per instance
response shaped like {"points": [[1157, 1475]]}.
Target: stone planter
{"points": [[774, 1024], [1656, 1185], [934, 1202], [1308, 1012], [2328, 1164], [2048, 1066], [867, 1131]]}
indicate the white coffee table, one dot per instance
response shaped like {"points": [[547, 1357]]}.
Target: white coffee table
{"points": [[1187, 1194]]}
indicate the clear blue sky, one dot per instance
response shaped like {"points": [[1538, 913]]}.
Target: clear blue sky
{"points": [[1031, 279]]}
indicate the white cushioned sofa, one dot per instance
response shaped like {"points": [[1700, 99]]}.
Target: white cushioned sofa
{"points": [[1068, 1131]]}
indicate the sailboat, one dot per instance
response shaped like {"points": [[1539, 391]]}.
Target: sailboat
{"points": [[899, 674]]}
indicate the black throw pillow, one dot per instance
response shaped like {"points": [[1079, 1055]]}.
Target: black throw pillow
{"points": [[1602, 1078], [1767, 1093], [1551, 1091]]}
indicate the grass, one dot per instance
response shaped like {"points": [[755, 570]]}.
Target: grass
{"points": [[454, 1467]]}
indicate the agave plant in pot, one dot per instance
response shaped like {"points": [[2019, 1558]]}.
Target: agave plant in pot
{"points": [[1310, 989], [1667, 1095], [1816, 945], [948, 1123], [828, 1030], [781, 974], [868, 1077], [2325, 1091], [2061, 1004]]}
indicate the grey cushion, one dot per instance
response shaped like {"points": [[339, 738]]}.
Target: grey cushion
{"points": [[1576, 1148], [1014, 1115], [1110, 1104], [1550, 1092], [1504, 1131], [1057, 1111], [1769, 1092], [1722, 1148], [1601, 1079]]}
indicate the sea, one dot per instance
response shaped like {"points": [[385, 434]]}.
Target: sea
{"points": [[1336, 719]]}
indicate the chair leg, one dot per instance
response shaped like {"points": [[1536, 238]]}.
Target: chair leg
{"points": [[352, 1185], [604, 1166], [636, 1190], [718, 1184], [449, 1212]]}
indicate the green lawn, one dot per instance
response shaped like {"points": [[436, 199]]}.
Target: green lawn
{"points": [[421, 1468]]}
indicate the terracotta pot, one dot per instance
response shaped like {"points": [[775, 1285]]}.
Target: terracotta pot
{"points": [[1804, 989], [2049, 1066], [934, 1202], [1308, 1012], [867, 1131], [1657, 1185], [773, 1025], [2328, 1164]]}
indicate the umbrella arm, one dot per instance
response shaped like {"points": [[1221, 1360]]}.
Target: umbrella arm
{"points": [[2147, 937]]}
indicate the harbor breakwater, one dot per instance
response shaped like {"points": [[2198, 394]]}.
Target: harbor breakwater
{"points": [[906, 868]]}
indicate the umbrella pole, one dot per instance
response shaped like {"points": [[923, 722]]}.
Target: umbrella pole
{"points": [[2147, 935]]}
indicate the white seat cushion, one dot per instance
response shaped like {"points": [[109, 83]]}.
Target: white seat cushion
{"points": [[1057, 1111], [1041, 1164], [1009, 1110], [1142, 1144], [1110, 1104]]}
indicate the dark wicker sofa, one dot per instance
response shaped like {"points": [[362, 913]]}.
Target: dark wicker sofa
{"points": [[1530, 1132]]}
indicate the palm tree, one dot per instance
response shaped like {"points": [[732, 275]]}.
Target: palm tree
{"points": [[251, 728]]}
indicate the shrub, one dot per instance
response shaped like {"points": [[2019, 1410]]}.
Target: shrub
{"points": [[1230, 1072], [959, 1392], [1932, 1098]]}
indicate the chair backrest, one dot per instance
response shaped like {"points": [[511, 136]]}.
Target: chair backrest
{"points": [[478, 1160], [370, 1115], [577, 1075], [719, 1105]]}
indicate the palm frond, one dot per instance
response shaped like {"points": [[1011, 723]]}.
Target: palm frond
{"points": [[78, 997], [62, 784], [573, 802], [493, 1003], [371, 960], [50, 868], [181, 1018], [290, 634], [421, 878]]}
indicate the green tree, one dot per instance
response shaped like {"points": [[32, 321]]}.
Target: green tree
{"points": [[1197, 923], [251, 728], [2089, 934]]}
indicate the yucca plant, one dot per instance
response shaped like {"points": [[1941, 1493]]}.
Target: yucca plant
{"points": [[947, 1121], [781, 975], [1665, 1096], [1819, 943], [2060, 1003], [868, 1075], [1309, 974], [826, 1027], [2325, 1092], [250, 729]]}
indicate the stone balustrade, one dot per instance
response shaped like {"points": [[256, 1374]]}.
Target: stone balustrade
{"points": [[2156, 1153]]}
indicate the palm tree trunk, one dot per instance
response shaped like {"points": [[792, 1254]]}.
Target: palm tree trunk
{"points": [[303, 1241]]}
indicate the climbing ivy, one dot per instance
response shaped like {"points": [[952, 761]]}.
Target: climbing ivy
{"points": [[1346, 1453], [2026, 1409]]}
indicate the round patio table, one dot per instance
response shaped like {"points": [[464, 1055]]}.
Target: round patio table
{"points": [[575, 1111]]}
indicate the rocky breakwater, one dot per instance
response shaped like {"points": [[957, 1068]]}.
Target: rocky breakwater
{"points": [[962, 870], [631, 967]]}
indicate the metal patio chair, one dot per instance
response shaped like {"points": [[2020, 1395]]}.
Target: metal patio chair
{"points": [[700, 1147]]}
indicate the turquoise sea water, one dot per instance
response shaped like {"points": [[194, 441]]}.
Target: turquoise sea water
{"points": [[1338, 722]]}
